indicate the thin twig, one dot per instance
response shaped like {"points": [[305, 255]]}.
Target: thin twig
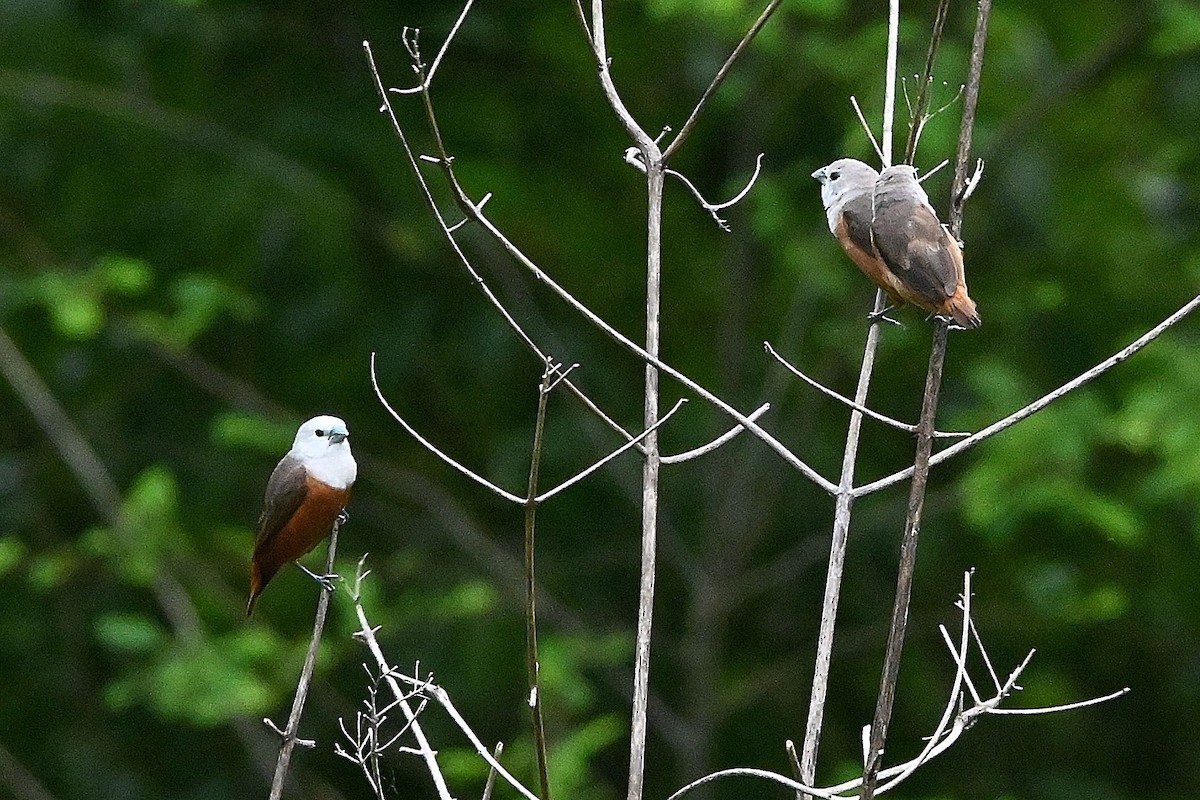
{"points": [[844, 502], [960, 675], [1063, 707], [719, 78], [916, 121], [875, 415], [290, 737], [889, 86], [366, 632], [870, 133], [497, 751], [950, 728], [1040, 403], [966, 131], [427, 78], [533, 665], [633, 157], [577, 477], [482, 481], [705, 449]]}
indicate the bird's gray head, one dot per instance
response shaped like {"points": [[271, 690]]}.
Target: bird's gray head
{"points": [[321, 437], [900, 180], [842, 178]]}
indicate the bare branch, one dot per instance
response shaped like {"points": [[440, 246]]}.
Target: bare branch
{"points": [[633, 157], [654, 361], [366, 632], [532, 662], [1064, 707], [719, 78], [599, 43], [933, 171], [984, 655], [484, 482], [427, 79], [870, 134], [889, 85], [875, 415], [917, 117], [623, 448], [1040, 403], [497, 751], [960, 675], [289, 733], [704, 449], [837, 558], [751, 772]]}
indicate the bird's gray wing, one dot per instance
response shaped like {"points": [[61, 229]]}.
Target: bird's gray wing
{"points": [[286, 490], [913, 244]]}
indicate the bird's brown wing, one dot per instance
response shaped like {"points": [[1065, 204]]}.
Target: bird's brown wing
{"points": [[286, 490], [916, 248]]}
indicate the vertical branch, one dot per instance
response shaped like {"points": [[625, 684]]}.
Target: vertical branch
{"points": [[641, 667], [531, 649], [908, 560], [916, 501], [970, 102], [837, 561], [289, 733], [845, 491], [926, 83], [889, 86], [653, 159]]}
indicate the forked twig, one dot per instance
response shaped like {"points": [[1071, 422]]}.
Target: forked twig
{"points": [[955, 720], [393, 677], [415, 52], [633, 156]]}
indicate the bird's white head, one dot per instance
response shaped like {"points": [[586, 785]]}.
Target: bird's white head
{"points": [[842, 180], [323, 445]]}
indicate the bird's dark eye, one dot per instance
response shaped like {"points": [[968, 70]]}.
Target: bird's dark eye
{"points": [[320, 432], [833, 176]]}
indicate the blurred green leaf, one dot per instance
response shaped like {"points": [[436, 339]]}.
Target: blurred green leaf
{"points": [[129, 633], [239, 430]]}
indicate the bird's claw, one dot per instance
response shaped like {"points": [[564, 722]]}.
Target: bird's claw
{"points": [[326, 582], [343, 517]]}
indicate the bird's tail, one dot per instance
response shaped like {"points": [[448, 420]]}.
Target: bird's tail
{"points": [[961, 309], [256, 586]]}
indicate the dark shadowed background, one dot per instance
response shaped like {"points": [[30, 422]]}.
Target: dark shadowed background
{"points": [[206, 228]]}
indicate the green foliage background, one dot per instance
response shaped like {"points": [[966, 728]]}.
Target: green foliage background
{"points": [[206, 228]]}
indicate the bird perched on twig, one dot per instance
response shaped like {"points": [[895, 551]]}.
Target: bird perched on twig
{"points": [[886, 225], [306, 493]]}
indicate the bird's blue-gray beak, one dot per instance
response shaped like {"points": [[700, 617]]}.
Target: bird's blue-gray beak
{"points": [[820, 175], [338, 436]]}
